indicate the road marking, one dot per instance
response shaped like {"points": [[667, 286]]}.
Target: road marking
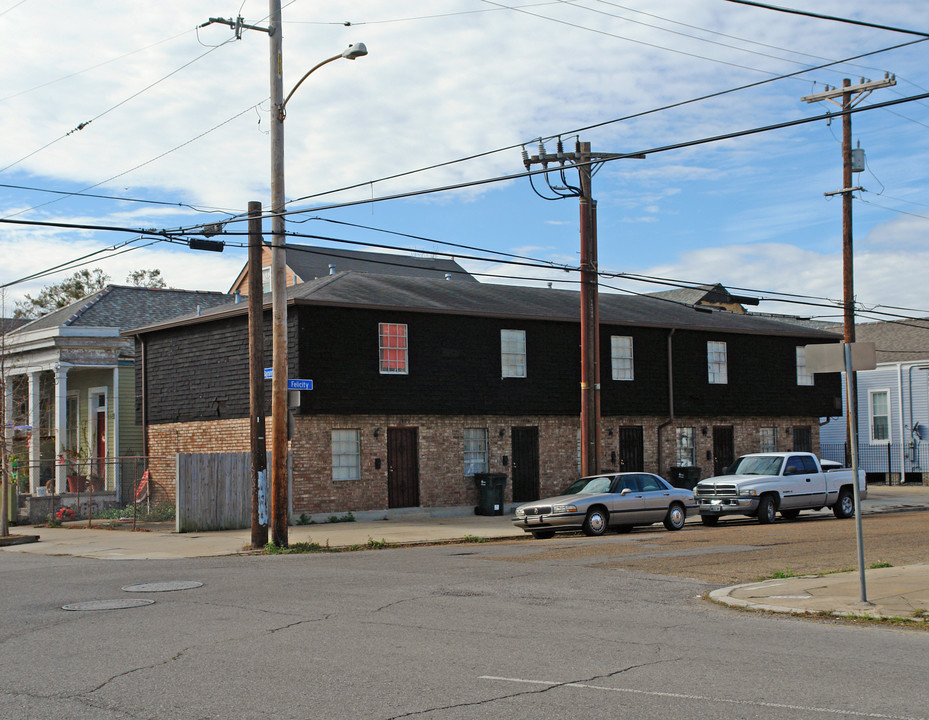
{"points": [[704, 698]]}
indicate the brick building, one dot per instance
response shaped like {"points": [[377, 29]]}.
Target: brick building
{"points": [[420, 382]]}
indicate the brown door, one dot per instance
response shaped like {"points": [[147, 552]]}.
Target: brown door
{"points": [[402, 467], [803, 438], [525, 463], [631, 449], [723, 448]]}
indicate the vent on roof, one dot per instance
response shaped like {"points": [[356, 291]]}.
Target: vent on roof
{"points": [[332, 268]]}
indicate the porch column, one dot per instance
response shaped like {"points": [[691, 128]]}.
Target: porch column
{"points": [[35, 434], [113, 450], [61, 429]]}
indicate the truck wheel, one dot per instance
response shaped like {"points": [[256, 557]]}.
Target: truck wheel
{"points": [[709, 520], [675, 518], [767, 509], [596, 522], [845, 507]]}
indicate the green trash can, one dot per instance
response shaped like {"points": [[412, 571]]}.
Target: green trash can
{"points": [[490, 488]]}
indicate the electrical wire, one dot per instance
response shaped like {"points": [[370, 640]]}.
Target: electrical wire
{"points": [[348, 23], [819, 16]]}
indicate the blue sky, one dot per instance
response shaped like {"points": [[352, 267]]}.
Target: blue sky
{"points": [[180, 116]]}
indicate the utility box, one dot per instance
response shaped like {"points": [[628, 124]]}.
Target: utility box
{"points": [[685, 476], [490, 487]]}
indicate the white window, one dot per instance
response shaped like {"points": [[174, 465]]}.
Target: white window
{"points": [[621, 357], [686, 452], [804, 376], [717, 365], [513, 353], [768, 440], [393, 349], [475, 451], [266, 279], [346, 454], [879, 405]]}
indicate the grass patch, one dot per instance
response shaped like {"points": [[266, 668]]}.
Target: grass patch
{"points": [[297, 548], [347, 517], [875, 566], [473, 539], [783, 574]]}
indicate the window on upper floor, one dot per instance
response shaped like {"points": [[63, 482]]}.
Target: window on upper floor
{"points": [[804, 376], [717, 363], [621, 357], [513, 353], [266, 279], [392, 341], [879, 412]]}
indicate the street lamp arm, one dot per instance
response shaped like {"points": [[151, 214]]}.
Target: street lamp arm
{"points": [[310, 72]]}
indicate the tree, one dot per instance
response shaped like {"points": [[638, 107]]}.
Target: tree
{"points": [[146, 278]]}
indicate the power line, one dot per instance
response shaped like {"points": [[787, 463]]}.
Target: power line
{"points": [[819, 16]]}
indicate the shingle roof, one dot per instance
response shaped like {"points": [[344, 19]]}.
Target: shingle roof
{"points": [[310, 263], [124, 307], [897, 341], [351, 289], [10, 324]]}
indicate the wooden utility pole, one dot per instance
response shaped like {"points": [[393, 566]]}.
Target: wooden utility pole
{"points": [[256, 383], [850, 95], [584, 160]]}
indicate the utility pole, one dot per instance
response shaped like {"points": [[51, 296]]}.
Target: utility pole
{"points": [[850, 96], [256, 393], [584, 160]]}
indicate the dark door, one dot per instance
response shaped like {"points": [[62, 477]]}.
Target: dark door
{"points": [[631, 449], [803, 439], [402, 467], [723, 448], [525, 463]]}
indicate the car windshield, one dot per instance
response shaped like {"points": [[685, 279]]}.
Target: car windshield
{"points": [[757, 465], [588, 486]]}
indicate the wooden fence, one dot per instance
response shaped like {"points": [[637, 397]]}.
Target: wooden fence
{"points": [[214, 491]]}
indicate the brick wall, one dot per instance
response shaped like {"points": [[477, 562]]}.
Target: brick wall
{"points": [[442, 481]]}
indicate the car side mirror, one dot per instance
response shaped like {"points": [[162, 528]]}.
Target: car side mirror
{"points": [[625, 491]]}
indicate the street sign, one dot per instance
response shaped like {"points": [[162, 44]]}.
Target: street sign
{"points": [[269, 373], [831, 357], [299, 384]]}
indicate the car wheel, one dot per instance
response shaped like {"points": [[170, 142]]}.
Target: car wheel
{"points": [[845, 507], [543, 534], [675, 518], [710, 520], [596, 522], [790, 514], [767, 510]]}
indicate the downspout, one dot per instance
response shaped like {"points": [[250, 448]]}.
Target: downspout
{"points": [[902, 426], [144, 400], [670, 399]]}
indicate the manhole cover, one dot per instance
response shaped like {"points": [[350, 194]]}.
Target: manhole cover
{"points": [[108, 604], [164, 586]]}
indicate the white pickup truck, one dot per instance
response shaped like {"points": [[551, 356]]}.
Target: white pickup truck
{"points": [[763, 484]]}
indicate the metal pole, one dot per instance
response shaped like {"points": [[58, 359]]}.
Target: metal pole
{"points": [[590, 335], [278, 289], [256, 379], [853, 443]]}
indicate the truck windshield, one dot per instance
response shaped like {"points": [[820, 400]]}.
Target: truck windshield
{"points": [[757, 465]]}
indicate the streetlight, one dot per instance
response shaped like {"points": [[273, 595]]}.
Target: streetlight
{"points": [[278, 274]]}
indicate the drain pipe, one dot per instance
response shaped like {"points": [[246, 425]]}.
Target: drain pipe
{"points": [[670, 398]]}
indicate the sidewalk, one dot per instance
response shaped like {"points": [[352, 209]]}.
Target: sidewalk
{"points": [[894, 592]]}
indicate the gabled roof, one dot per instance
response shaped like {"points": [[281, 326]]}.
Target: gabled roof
{"points": [[123, 306], [10, 324], [902, 341], [704, 295], [309, 262], [387, 292]]}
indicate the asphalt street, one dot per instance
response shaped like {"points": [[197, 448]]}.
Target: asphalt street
{"points": [[452, 631]]}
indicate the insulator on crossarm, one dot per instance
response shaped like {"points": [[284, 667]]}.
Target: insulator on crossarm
{"points": [[526, 163], [542, 154], [560, 152]]}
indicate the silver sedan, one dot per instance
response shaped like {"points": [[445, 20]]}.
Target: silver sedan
{"points": [[614, 500]]}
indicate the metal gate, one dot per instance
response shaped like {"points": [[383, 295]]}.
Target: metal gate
{"points": [[402, 467], [525, 463], [803, 438]]}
